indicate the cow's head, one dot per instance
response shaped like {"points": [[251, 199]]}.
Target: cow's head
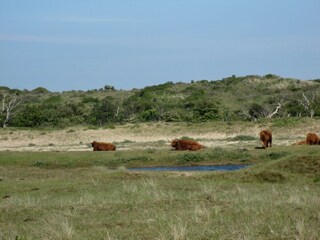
{"points": [[174, 143], [93, 143]]}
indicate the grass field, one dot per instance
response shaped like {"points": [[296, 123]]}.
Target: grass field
{"points": [[50, 192]]}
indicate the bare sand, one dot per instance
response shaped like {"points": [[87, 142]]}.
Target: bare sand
{"points": [[142, 136]]}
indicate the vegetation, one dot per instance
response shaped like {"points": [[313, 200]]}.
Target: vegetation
{"points": [[248, 98], [53, 186], [64, 195]]}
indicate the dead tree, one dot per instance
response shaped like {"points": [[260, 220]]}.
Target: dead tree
{"points": [[257, 111], [270, 115], [8, 106], [308, 103]]}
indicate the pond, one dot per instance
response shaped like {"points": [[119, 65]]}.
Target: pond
{"points": [[232, 167]]}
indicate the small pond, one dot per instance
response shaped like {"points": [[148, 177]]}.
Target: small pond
{"points": [[193, 168]]}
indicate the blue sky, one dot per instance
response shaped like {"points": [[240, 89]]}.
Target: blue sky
{"points": [[87, 44]]}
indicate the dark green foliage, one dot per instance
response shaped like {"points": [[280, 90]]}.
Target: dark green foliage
{"points": [[105, 111], [34, 116], [149, 115], [3, 88], [44, 114], [205, 110], [294, 109], [160, 87], [271, 76], [109, 87], [190, 158], [40, 90], [256, 111], [248, 98]]}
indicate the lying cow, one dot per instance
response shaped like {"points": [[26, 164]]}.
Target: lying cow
{"points": [[183, 145], [102, 146], [300, 143], [266, 138], [312, 139]]}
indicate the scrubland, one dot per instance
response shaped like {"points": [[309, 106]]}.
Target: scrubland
{"points": [[53, 186]]}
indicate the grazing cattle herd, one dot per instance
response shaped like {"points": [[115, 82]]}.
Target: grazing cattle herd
{"points": [[191, 145]]}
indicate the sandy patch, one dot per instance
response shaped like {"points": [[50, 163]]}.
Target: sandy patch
{"points": [[143, 136]]}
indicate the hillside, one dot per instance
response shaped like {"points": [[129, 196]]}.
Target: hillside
{"points": [[235, 98]]}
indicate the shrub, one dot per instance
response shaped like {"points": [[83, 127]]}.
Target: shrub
{"points": [[149, 115], [190, 158]]}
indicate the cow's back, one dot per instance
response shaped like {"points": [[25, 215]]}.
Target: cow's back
{"points": [[190, 145], [102, 146]]}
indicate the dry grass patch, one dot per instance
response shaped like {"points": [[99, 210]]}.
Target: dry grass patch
{"points": [[131, 136]]}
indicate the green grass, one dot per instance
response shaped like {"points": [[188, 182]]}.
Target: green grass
{"points": [[91, 195]]}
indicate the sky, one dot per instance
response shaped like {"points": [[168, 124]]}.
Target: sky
{"points": [[87, 44]]}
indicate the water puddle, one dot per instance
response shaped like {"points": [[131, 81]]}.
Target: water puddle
{"points": [[192, 168]]}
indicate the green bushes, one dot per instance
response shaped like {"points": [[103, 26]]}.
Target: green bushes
{"points": [[45, 114], [248, 98]]}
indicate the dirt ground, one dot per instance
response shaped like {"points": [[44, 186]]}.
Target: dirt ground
{"points": [[144, 136]]}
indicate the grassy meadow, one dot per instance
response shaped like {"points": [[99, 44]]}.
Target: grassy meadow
{"points": [[53, 186]]}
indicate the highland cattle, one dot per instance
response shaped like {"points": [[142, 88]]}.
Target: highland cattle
{"points": [[103, 146], [312, 139], [266, 138], [185, 145]]}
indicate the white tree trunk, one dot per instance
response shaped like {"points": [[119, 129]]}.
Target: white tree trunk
{"points": [[7, 108]]}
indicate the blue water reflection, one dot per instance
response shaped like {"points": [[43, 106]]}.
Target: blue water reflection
{"points": [[192, 168]]}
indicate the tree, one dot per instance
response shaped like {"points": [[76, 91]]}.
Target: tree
{"points": [[109, 87], [105, 111], [205, 110], [309, 103], [257, 111], [9, 104]]}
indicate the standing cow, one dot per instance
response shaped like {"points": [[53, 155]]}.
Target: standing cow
{"points": [[183, 145], [312, 139], [102, 146], [266, 138]]}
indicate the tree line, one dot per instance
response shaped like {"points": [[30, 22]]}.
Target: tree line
{"points": [[235, 98]]}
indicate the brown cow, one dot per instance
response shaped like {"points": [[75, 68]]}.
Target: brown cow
{"points": [[312, 139], [266, 138], [182, 145], [102, 146]]}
